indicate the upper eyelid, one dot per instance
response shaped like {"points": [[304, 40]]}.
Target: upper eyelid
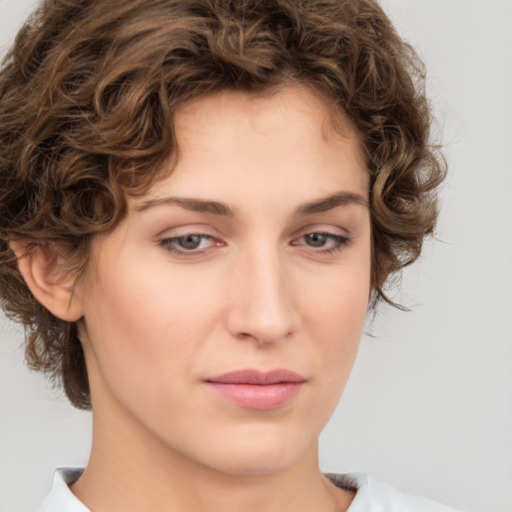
{"points": [[296, 234], [328, 229], [223, 229], [188, 229], [214, 233]]}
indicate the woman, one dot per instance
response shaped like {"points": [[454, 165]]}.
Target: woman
{"points": [[202, 199]]}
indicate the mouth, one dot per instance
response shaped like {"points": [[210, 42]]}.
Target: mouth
{"points": [[252, 389]]}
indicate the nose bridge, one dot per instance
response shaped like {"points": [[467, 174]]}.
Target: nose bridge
{"points": [[262, 302]]}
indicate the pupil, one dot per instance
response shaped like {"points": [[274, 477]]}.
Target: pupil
{"points": [[190, 241], [316, 239]]}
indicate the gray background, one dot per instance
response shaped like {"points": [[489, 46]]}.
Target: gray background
{"points": [[429, 406]]}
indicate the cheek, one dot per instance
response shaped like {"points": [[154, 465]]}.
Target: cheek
{"points": [[143, 329], [337, 302], [334, 318], [149, 314]]}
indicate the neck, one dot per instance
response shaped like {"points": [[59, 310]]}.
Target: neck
{"points": [[128, 476]]}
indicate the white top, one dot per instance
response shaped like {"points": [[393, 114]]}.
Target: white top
{"points": [[370, 495]]}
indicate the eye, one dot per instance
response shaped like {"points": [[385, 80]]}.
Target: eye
{"points": [[324, 241], [189, 244]]}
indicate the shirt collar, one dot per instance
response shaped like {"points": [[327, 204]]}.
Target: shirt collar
{"points": [[61, 499]]}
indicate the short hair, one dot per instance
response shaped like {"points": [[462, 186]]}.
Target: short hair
{"points": [[87, 98]]}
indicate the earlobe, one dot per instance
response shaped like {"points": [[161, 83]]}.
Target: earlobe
{"points": [[43, 272]]}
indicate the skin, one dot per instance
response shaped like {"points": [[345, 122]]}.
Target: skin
{"points": [[255, 293]]}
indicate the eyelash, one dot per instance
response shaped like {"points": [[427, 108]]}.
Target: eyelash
{"points": [[169, 244], [340, 241]]}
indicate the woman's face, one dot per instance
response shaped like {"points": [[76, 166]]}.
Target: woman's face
{"points": [[252, 257]]}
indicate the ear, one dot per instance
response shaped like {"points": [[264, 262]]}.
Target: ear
{"points": [[51, 285]]}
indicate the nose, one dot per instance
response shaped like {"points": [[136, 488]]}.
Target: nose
{"points": [[261, 305]]}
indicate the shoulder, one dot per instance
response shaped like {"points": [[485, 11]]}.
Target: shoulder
{"points": [[61, 499], [377, 497]]}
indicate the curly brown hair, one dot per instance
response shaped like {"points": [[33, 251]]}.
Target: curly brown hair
{"points": [[87, 97]]}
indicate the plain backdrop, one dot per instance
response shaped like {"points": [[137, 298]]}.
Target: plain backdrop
{"points": [[429, 406]]}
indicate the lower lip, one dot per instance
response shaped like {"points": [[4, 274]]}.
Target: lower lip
{"points": [[261, 397]]}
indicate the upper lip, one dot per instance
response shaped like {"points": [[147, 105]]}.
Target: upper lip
{"points": [[258, 377]]}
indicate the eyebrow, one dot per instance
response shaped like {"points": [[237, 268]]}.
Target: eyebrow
{"points": [[195, 205], [331, 202], [216, 208]]}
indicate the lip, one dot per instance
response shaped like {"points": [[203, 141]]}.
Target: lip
{"points": [[253, 389]]}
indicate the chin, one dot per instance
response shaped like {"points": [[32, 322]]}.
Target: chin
{"points": [[257, 465], [253, 456]]}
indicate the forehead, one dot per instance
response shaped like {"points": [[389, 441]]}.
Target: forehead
{"points": [[265, 110], [264, 138]]}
